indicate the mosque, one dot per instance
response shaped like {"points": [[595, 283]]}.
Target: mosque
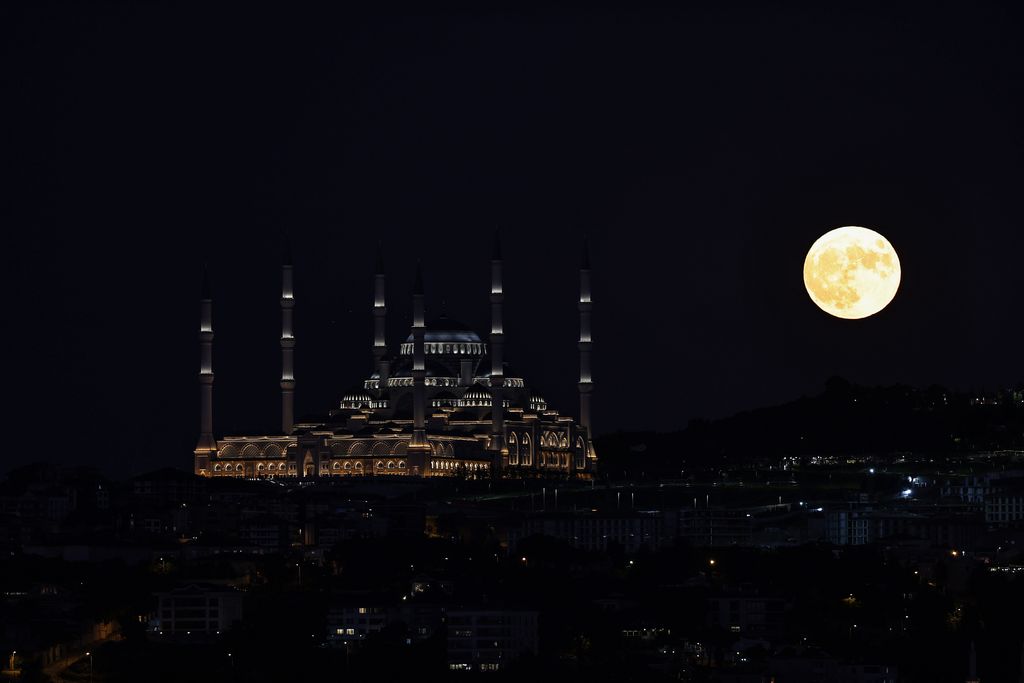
{"points": [[441, 406]]}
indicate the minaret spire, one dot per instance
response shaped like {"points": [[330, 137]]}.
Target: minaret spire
{"points": [[497, 341], [586, 384], [207, 445], [380, 347], [287, 344], [419, 434]]}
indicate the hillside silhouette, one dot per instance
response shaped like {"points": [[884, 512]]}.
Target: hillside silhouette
{"points": [[844, 419]]}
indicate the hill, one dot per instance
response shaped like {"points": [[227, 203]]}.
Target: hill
{"points": [[844, 419]]}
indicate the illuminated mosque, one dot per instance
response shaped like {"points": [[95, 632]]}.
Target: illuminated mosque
{"points": [[441, 406]]}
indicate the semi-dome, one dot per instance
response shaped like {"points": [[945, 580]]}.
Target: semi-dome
{"points": [[477, 392], [479, 396], [356, 397]]}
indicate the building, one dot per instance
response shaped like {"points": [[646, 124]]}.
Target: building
{"points": [[850, 525], [714, 527], [595, 531], [168, 485], [1005, 508], [750, 615], [443, 403], [196, 610], [489, 639], [351, 625], [815, 666], [266, 531], [975, 488]]}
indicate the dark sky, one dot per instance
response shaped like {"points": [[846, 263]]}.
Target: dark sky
{"points": [[703, 151]]}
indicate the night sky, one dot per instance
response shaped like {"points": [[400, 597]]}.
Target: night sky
{"points": [[702, 151]]}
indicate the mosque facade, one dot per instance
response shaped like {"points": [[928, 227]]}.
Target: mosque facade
{"points": [[440, 403]]}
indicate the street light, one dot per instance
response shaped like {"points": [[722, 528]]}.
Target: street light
{"points": [[89, 655]]}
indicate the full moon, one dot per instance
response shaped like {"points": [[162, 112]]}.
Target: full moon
{"points": [[851, 272]]}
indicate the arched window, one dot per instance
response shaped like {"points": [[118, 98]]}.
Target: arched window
{"points": [[359, 465], [513, 449], [216, 468], [401, 464], [391, 464], [526, 455]]}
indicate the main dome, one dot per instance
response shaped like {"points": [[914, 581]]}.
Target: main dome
{"points": [[444, 330]]}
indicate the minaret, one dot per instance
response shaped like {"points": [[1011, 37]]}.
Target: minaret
{"points": [[206, 446], [497, 342], [586, 385], [287, 346], [419, 372], [380, 347]]}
